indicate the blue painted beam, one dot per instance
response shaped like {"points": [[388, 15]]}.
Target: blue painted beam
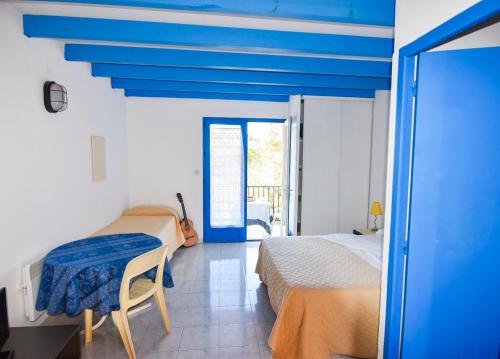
{"points": [[369, 12], [62, 27], [206, 95], [223, 60], [238, 76], [236, 88]]}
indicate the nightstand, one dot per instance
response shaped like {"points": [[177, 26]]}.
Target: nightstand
{"points": [[363, 231]]}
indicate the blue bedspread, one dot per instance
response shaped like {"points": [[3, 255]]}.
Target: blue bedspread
{"points": [[87, 274]]}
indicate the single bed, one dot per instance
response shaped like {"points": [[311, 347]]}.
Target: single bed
{"points": [[325, 291], [158, 221]]}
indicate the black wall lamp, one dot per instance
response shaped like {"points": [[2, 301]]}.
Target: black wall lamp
{"points": [[55, 97]]}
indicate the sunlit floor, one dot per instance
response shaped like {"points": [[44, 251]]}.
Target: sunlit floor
{"points": [[218, 309], [256, 232]]}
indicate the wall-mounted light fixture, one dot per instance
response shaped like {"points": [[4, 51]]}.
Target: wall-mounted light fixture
{"points": [[55, 97]]}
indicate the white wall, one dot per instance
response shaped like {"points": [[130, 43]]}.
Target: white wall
{"points": [[413, 19], [336, 165], [166, 147], [488, 36], [345, 148], [46, 190], [321, 162], [378, 164], [354, 169], [165, 150]]}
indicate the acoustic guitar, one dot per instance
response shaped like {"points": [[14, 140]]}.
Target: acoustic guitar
{"points": [[187, 226]]}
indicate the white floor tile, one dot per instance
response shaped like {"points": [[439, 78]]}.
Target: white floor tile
{"points": [[206, 337], [236, 315], [198, 354], [244, 352], [237, 335]]}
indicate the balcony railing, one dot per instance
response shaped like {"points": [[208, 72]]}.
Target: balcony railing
{"points": [[271, 194]]}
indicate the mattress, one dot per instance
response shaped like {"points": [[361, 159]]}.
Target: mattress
{"points": [[326, 298], [164, 227]]}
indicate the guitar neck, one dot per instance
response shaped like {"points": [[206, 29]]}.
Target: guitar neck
{"points": [[185, 219]]}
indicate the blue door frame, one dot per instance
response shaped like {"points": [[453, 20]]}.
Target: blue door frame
{"points": [[401, 191], [229, 234]]}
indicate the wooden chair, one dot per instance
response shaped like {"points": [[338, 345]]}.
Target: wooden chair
{"points": [[141, 290]]}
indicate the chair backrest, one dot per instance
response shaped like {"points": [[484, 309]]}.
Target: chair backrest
{"points": [[138, 266]]}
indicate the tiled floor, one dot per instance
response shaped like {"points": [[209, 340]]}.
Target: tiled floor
{"points": [[218, 309]]}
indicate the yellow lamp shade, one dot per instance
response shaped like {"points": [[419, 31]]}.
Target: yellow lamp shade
{"points": [[376, 209]]}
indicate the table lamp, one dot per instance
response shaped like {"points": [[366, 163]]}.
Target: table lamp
{"points": [[375, 211]]}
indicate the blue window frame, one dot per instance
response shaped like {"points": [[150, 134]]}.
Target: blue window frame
{"points": [[225, 234]]}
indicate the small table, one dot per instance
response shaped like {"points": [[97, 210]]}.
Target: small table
{"points": [[45, 342], [259, 213], [86, 275], [363, 231]]}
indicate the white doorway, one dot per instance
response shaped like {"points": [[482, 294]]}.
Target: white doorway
{"points": [[265, 179]]}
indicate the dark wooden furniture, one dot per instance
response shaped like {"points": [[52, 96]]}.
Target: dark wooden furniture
{"points": [[7, 355], [45, 342]]}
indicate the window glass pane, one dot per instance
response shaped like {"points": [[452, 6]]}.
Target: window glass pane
{"points": [[226, 176]]}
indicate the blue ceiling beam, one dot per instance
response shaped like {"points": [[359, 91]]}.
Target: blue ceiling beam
{"points": [[206, 95], [223, 60], [238, 76], [62, 27], [369, 12], [236, 88]]}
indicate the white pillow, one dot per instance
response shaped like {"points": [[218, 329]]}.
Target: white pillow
{"points": [[368, 247]]}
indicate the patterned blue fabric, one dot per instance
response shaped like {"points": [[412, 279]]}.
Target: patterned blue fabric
{"points": [[87, 274]]}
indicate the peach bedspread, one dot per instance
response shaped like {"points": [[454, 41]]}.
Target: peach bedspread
{"points": [[158, 221], [326, 298]]}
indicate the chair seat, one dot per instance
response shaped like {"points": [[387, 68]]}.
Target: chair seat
{"points": [[140, 286], [136, 290]]}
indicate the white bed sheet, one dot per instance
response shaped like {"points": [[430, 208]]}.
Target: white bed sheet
{"points": [[368, 247]]}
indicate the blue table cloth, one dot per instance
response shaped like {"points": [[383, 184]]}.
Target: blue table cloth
{"points": [[87, 274]]}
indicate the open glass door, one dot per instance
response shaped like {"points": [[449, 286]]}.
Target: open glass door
{"points": [[225, 183], [291, 168]]}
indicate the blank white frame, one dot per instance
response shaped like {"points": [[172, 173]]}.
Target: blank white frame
{"points": [[98, 145]]}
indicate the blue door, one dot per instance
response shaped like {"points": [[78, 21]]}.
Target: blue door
{"points": [[224, 180], [452, 290]]}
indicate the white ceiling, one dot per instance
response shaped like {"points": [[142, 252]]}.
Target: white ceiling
{"points": [[160, 15], [184, 17]]}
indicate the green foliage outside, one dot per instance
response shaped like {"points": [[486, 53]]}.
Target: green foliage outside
{"points": [[265, 154]]}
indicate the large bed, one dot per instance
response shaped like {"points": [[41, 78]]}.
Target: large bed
{"points": [[325, 291], [158, 221]]}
